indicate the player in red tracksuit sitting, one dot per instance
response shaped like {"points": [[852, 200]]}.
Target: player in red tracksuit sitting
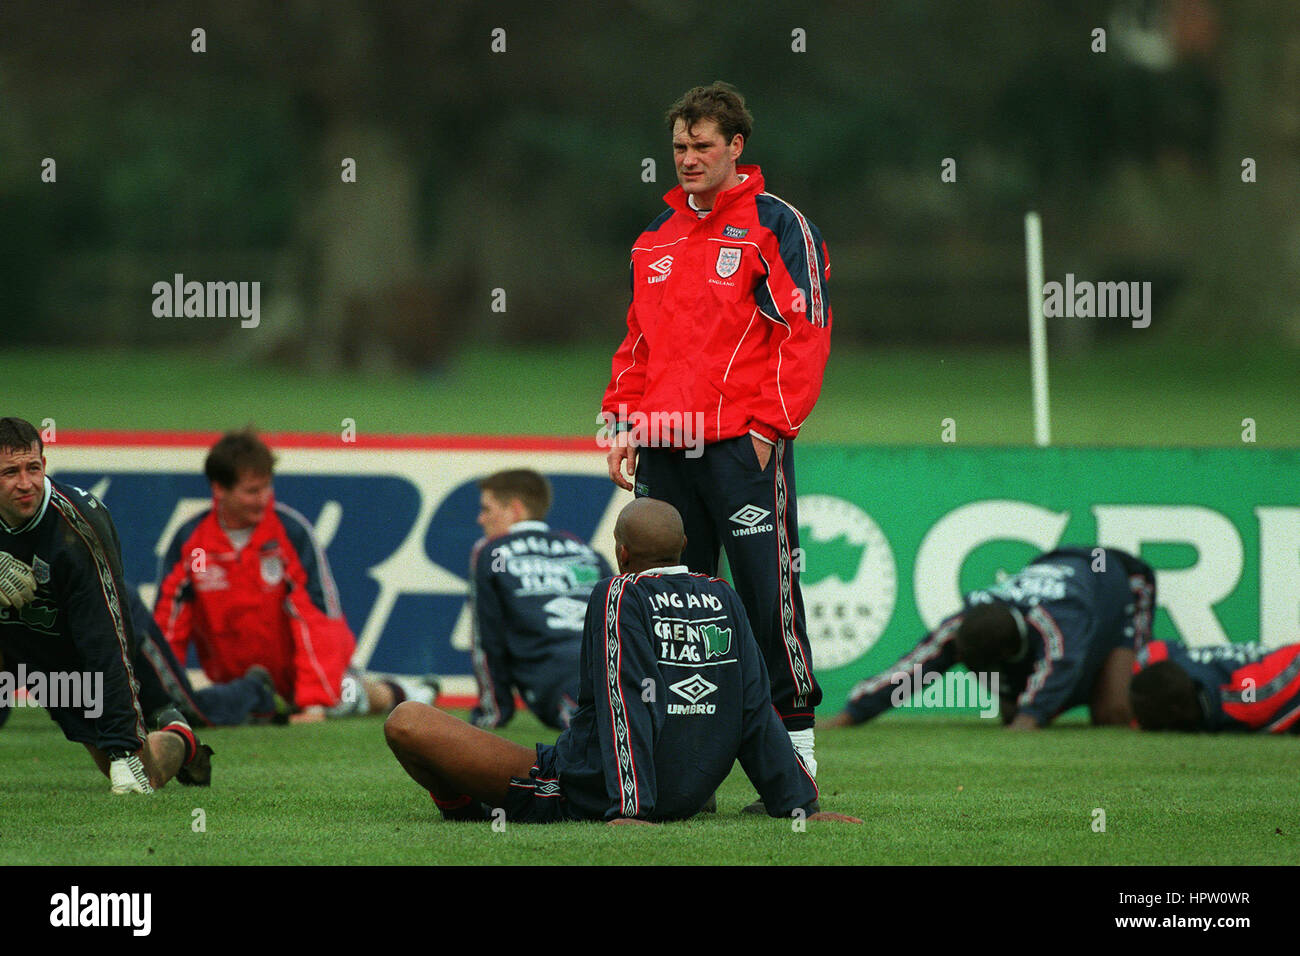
{"points": [[247, 582]]}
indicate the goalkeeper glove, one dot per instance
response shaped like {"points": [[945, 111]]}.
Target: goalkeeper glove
{"points": [[126, 774], [17, 582]]}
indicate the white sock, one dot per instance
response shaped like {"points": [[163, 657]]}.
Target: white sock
{"points": [[415, 689], [802, 742], [354, 701]]}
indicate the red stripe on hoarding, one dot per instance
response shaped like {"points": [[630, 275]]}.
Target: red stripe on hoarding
{"points": [[456, 701], [276, 440]]}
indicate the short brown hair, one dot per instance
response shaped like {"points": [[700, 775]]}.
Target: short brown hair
{"points": [[18, 435], [236, 453], [720, 102], [524, 485]]}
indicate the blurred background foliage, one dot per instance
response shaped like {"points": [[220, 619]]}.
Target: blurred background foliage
{"points": [[522, 170]]}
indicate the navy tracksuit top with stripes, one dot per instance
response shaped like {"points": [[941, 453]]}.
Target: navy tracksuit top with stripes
{"points": [[673, 691], [79, 620], [1075, 616], [528, 593]]}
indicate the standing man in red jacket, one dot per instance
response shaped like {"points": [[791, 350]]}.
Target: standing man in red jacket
{"points": [[248, 583], [727, 339]]}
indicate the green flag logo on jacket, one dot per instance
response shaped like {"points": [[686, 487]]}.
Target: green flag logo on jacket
{"points": [[717, 640]]}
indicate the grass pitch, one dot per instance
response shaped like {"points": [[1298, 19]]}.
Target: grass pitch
{"points": [[931, 790], [1152, 393]]}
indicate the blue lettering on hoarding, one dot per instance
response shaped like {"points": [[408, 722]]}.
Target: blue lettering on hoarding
{"points": [[375, 515]]}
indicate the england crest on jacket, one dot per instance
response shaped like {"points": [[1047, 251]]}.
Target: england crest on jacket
{"points": [[272, 565], [728, 262]]}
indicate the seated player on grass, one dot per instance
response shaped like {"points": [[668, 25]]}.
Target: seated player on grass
{"points": [[529, 587], [1227, 687], [247, 582], [673, 691], [1062, 633], [64, 625]]}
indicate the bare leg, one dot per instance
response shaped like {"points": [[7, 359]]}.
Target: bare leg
{"points": [[380, 696], [1109, 705], [100, 758], [162, 756], [451, 758]]}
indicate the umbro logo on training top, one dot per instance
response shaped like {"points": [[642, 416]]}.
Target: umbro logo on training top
{"points": [[694, 689], [663, 267]]}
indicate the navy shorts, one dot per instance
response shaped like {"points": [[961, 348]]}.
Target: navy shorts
{"points": [[537, 797]]}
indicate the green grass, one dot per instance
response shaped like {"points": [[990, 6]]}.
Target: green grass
{"points": [[931, 790], [1150, 393]]}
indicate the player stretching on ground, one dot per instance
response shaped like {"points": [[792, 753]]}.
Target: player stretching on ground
{"points": [[63, 611], [163, 683], [529, 587], [673, 692], [1062, 633], [729, 328], [1226, 687]]}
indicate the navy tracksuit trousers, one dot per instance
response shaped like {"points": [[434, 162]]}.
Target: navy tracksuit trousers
{"points": [[727, 501]]}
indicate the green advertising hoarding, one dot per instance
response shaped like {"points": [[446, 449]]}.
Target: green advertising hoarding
{"points": [[892, 537]]}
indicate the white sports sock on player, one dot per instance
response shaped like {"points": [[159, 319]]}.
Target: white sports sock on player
{"points": [[353, 698], [127, 775], [802, 741], [415, 689]]}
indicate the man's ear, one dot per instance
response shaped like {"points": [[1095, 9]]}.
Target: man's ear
{"points": [[738, 144]]}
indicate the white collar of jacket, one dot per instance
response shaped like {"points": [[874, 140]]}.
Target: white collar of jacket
{"points": [[690, 200], [750, 186], [528, 526], [675, 569]]}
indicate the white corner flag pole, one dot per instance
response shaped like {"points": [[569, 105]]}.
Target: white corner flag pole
{"points": [[1037, 329]]}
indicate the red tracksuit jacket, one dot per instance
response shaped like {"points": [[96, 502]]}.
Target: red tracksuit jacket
{"points": [[729, 316], [273, 603]]}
